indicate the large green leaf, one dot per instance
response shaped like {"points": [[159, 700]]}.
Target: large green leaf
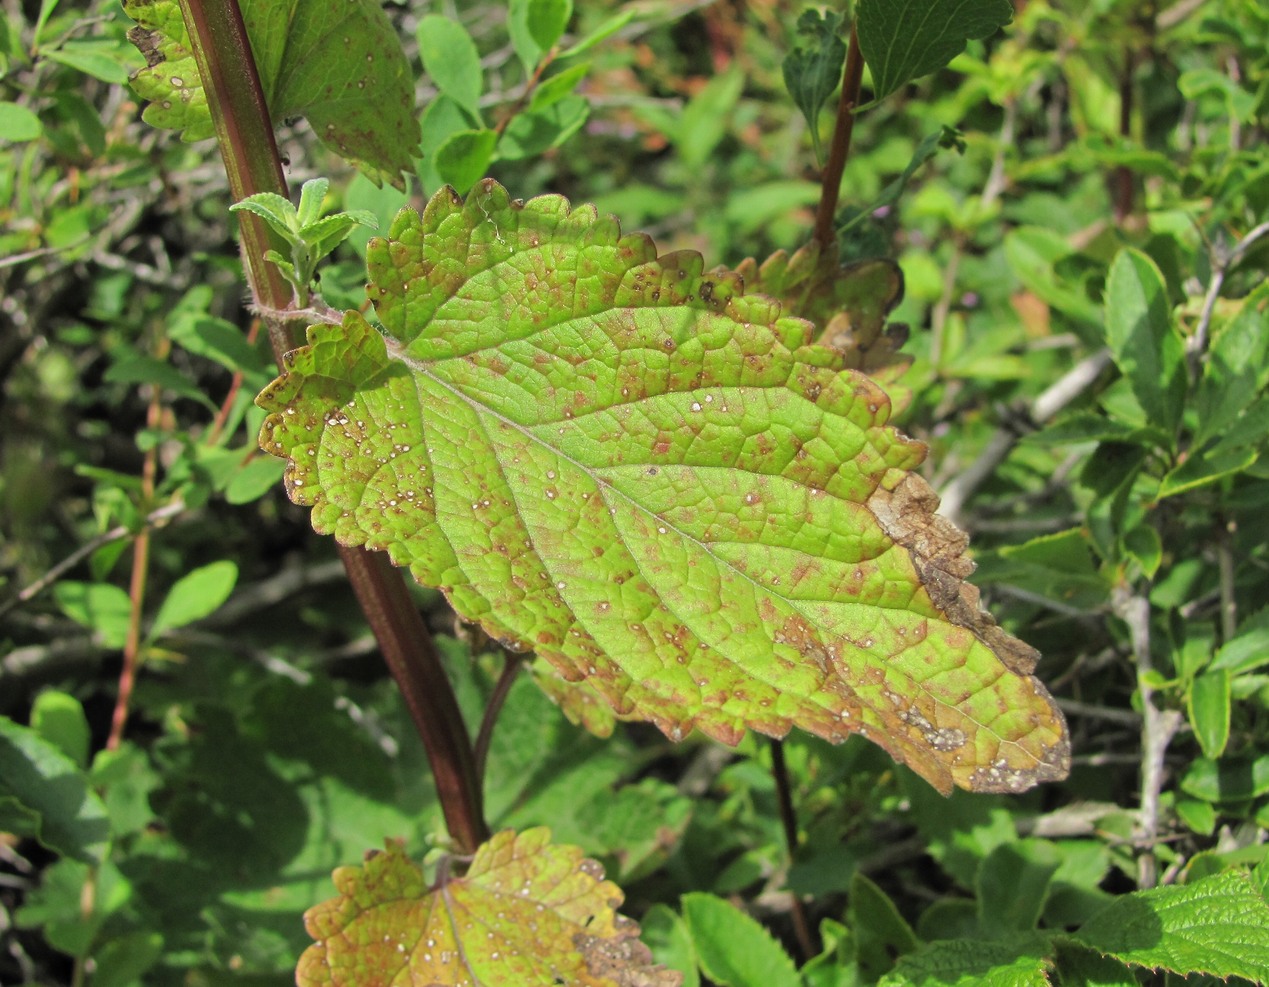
{"points": [[526, 912], [1219, 925], [658, 483], [902, 40], [337, 63]]}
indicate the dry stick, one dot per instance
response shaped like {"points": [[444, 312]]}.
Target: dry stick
{"points": [[245, 135], [831, 180], [1157, 729], [788, 818], [1070, 386]]}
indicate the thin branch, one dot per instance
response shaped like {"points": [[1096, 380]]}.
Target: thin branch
{"points": [[789, 820], [511, 664], [1220, 269], [1157, 729], [156, 518], [1048, 403]]}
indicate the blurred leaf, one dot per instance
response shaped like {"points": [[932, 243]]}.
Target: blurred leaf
{"points": [[44, 795], [605, 30], [1227, 780], [1234, 367], [813, 67], [1144, 544], [555, 88], [198, 593], [451, 61], [464, 158], [732, 949], [539, 129], [706, 117], [101, 607], [525, 911], [1248, 649], [902, 40], [881, 933], [136, 368], [668, 937], [1219, 925], [18, 124], [102, 59], [121, 962], [1145, 344], [546, 20], [1013, 885], [59, 718], [1209, 711]]}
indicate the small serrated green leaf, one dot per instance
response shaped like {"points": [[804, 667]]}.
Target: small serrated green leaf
{"points": [[1143, 339], [902, 40], [1218, 926], [464, 158], [451, 61], [195, 595], [813, 67], [733, 949], [276, 210], [312, 198], [1208, 707], [1022, 961]]}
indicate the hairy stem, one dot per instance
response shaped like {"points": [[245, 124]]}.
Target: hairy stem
{"points": [[789, 820], [839, 150], [245, 134]]}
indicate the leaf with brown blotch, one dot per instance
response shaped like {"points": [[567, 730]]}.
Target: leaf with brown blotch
{"points": [[661, 484], [526, 914], [848, 302]]}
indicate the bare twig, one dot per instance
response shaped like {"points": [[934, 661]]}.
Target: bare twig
{"points": [[156, 518], [1221, 266], [1071, 385], [1157, 728]]}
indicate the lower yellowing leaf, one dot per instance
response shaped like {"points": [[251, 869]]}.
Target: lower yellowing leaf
{"points": [[526, 913], [658, 483]]}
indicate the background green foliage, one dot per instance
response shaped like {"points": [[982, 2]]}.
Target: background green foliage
{"points": [[1089, 332]]}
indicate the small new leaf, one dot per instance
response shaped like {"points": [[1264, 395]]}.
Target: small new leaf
{"points": [[902, 40], [813, 68], [526, 912]]}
